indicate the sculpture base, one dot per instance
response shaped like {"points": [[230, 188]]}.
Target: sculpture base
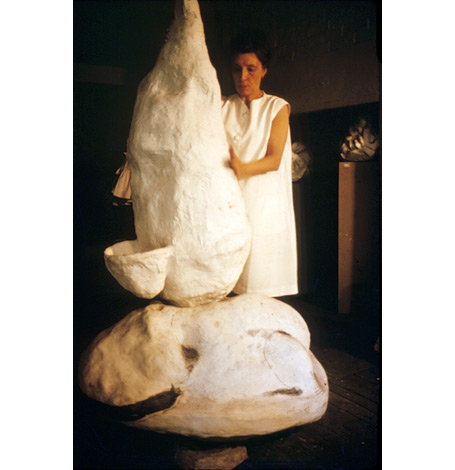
{"points": [[208, 459]]}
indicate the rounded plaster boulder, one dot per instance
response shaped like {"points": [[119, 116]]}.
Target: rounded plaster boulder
{"points": [[234, 368]]}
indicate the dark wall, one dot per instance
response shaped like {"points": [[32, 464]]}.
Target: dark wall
{"points": [[324, 53]]}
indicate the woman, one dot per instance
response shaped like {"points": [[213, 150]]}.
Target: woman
{"points": [[257, 129]]}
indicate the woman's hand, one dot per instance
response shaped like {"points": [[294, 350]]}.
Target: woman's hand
{"points": [[236, 163]]}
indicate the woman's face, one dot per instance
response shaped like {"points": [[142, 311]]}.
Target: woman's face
{"points": [[247, 72]]}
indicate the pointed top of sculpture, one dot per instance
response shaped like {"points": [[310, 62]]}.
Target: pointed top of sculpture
{"points": [[186, 38], [187, 8]]}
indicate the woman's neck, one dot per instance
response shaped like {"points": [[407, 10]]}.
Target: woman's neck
{"points": [[248, 99]]}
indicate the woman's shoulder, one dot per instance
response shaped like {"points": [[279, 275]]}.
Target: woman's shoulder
{"points": [[275, 103], [275, 100]]}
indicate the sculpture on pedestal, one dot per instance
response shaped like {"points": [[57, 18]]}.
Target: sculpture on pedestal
{"points": [[203, 367]]}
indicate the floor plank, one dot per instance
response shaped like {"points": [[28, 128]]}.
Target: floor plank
{"points": [[366, 403], [338, 364], [355, 383], [353, 408]]}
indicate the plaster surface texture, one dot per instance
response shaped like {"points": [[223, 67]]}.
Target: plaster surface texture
{"points": [[233, 368], [185, 196]]}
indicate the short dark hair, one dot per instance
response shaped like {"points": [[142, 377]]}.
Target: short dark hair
{"points": [[252, 41]]}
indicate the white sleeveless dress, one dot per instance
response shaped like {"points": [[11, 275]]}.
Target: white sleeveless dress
{"points": [[271, 268]]}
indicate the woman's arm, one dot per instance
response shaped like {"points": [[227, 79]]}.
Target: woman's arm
{"points": [[275, 146]]}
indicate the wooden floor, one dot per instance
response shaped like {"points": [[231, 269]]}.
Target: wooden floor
{"points": [[345, 438]]}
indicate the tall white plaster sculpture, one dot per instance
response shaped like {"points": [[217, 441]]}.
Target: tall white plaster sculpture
{"points": [[193, 235], [237, 367]]}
